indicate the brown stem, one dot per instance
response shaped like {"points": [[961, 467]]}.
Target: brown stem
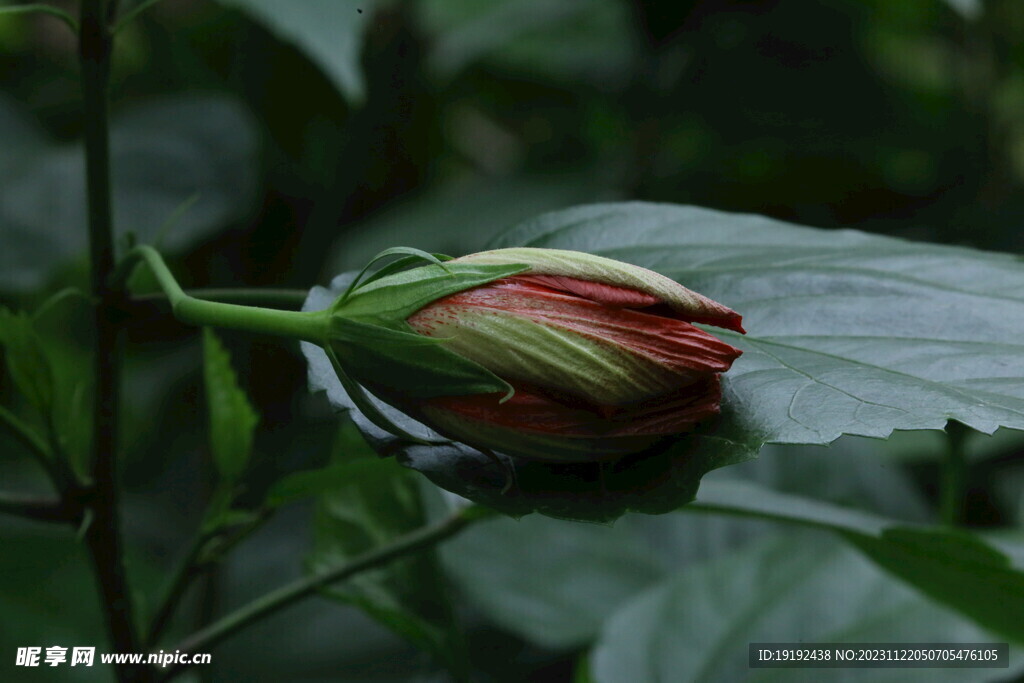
{"points": [[103, 536]]}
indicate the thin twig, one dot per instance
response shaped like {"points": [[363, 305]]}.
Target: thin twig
{"points": [[187, 570], [194, 565], [265, 605]]}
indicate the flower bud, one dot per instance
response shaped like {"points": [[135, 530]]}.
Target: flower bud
{"points": [[601, 355]]}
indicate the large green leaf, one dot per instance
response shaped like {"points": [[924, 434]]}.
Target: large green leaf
{"points": [[329, 32], [191, 160], [697, 625], [848, 333]]}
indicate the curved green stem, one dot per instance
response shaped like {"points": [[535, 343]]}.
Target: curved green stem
{"points": [[260, 296], [307, 326]]}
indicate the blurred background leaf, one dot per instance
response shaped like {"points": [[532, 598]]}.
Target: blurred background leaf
{"points": [[199, 151], [24, 136], [586, 40], [48, 594], [949, 565], [329, 32], [558, 581], [696, 626]]}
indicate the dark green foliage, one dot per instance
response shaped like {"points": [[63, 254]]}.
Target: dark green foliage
{"points": [[272, 144]]}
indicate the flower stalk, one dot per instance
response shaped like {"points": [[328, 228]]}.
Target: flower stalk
{"points": [[312, 327]]}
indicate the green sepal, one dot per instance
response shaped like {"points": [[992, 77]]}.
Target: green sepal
{"points": [[403, 264], [372, 345], [411, 255], [358, 395], [390, 300], [409, 365]]}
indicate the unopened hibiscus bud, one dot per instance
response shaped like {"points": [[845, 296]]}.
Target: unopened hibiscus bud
{"points": [[539, 353]]}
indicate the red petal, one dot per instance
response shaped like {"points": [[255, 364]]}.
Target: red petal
{"points": [[623, 297], [528, 410], [533, 410], [609, 295], [673, 414], [674, 344]]}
